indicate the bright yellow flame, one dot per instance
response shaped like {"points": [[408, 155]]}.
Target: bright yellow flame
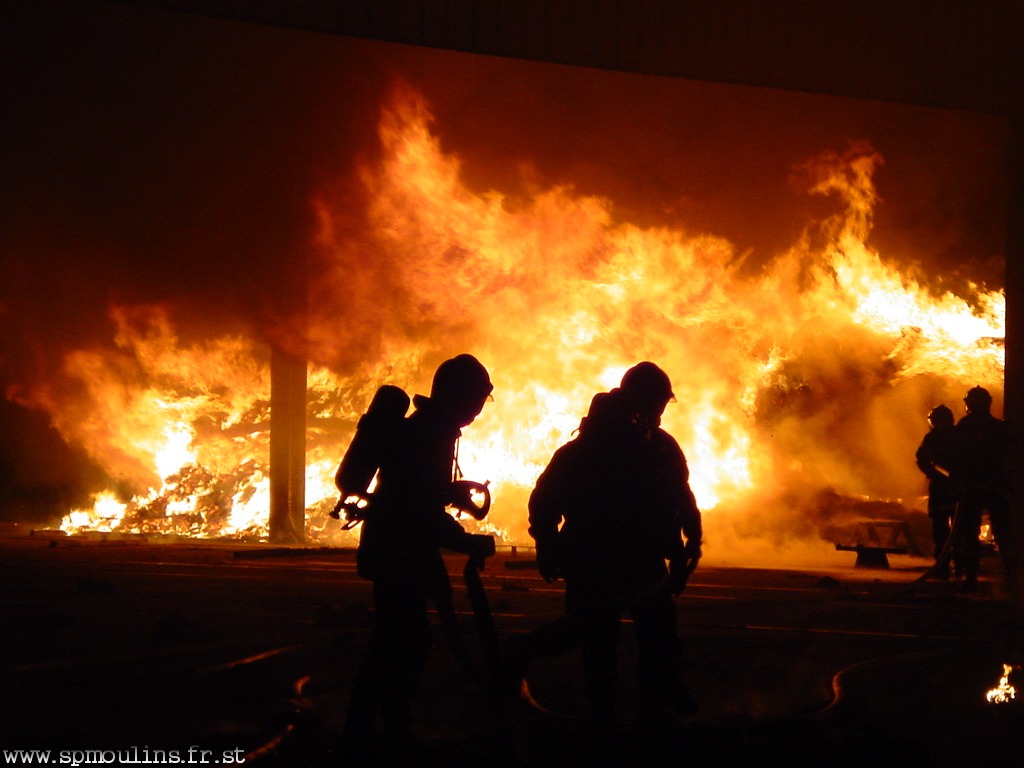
{"points": [[176, 450], [812, 372], [1004, 692], [105, 515]]}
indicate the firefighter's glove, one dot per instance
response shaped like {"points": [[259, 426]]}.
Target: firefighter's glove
{"points": [[680, 568], [693, 554], [678, 573], [547, 561], [479, 547]]}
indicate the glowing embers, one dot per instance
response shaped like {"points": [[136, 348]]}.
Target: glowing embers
{"points": [[1004, 692]]}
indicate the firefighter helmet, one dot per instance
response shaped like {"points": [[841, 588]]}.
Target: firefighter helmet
{"points": [[647, 383], [941, 416], [461, 384], [978, 400]]}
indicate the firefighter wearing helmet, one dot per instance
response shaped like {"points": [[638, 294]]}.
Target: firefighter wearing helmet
{"points": [[400, 549], [647, 390], [607, 512], [934, 458], [981, 478]]}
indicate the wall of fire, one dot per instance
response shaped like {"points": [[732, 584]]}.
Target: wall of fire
{"points": [[950, 54], [953, 54], [957, 54]]}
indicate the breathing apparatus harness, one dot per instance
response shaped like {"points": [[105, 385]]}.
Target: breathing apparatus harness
{"points": [[375, 431], [465, 497]]}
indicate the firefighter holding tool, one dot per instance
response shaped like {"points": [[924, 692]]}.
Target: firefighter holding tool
{"points": [[405, 525]]}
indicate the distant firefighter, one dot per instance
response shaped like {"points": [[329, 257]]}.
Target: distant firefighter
{"points": [[981, 478], [935, 459]]}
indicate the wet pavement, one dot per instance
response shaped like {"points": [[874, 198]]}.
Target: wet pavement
{"points": [[248, 652]]}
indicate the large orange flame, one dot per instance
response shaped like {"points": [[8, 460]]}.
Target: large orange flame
{"points": [[813, 371]]}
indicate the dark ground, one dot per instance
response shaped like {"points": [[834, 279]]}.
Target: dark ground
{"points": [[114, 644]]}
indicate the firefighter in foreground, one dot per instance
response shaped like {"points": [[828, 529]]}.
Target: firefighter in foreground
{"points": [[606, 514], [934, 458], [404, 528], [981, 478]]}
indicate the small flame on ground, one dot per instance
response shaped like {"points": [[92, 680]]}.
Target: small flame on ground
{"points": [[1004, 692]]}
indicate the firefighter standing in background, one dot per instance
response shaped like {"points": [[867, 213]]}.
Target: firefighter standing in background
{"points": [[404, 530], [935, 458], [606, 514], [981, 477]]}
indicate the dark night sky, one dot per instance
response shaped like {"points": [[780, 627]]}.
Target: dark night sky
{"points": [[147, 156]]}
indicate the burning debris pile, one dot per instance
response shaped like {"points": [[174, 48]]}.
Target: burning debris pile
{"points": [[813, 370]]}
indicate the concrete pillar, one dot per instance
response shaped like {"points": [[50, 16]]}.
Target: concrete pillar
{"points": [[287, 448]]}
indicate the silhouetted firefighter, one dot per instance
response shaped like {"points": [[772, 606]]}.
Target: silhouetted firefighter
{"points": [[405, 526], [981, 478], [934, 458], [607, 513]]}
